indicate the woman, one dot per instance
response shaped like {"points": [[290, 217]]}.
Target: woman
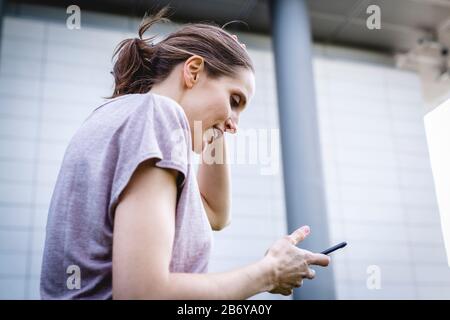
{"points": [[128, 217]]}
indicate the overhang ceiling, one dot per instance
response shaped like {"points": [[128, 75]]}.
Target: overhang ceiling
{"points": [[343, 22]]}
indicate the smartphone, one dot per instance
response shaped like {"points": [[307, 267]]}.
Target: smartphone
{"points": [[334, 248]]}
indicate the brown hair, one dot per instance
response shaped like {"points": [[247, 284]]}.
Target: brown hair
{"points": [[140, 64]]}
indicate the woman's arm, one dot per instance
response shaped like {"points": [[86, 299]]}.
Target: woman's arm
{"points": [[144, 230], [214, 184]]}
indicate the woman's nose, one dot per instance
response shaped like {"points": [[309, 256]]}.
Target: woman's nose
{"points": [[231, 125]]}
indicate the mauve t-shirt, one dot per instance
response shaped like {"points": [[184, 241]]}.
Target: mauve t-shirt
{"points": [[97, 165]]}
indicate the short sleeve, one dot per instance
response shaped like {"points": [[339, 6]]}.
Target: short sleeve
{"points": [[157, 129]]}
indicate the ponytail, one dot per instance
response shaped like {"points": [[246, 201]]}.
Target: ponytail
{"points": [[132, 70]]}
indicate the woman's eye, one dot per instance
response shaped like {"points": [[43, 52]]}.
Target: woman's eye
{"points": [[234, 102]]}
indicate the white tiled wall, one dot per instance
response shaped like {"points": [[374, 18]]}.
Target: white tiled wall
{"points": [[378, 182], [49, 81]]}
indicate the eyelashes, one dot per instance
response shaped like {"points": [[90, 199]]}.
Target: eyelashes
{"points": [[234, 102]]}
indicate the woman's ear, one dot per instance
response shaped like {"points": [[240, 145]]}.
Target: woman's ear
{"points": [[192, 69]]}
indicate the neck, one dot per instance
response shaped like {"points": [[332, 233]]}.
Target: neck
{"points": [[164, 90], [167, 89], [170, 87]]}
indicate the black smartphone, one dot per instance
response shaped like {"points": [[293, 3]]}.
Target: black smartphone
{"points": [[334, 248]]}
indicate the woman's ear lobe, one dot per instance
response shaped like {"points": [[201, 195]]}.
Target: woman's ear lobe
{"points": [[188, 78]]}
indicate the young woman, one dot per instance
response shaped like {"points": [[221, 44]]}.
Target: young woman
{"points": [[129, 219]]}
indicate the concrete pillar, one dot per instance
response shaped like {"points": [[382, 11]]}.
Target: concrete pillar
{"points": [[302, 169]]}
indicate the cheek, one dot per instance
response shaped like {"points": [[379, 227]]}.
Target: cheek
{"points": [[218, 110], [235, 116], [223, 108], [217, 105], [224, 114]]}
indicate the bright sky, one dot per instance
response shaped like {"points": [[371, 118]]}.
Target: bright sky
{"points": [[437, 126]]}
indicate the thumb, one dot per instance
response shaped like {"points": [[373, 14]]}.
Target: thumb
{"points": [[299, 235]]}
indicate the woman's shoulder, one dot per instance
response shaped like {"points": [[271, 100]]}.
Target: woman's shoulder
{"points": [[157, 108], [167, 106], [135, 121]]}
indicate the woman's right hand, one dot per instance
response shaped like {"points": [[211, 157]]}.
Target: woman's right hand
{"points": [[289, 264]]}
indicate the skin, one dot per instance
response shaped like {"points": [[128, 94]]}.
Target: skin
{"points": [[144, 226], [216, 103]]}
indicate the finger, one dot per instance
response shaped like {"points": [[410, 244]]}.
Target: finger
{"points": [[310, 274], [318, 259], [236, 38], [298, 284], [299, 235], [287, 292]]}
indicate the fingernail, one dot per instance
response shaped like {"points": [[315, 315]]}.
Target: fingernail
{"points": [[306, 229]]}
